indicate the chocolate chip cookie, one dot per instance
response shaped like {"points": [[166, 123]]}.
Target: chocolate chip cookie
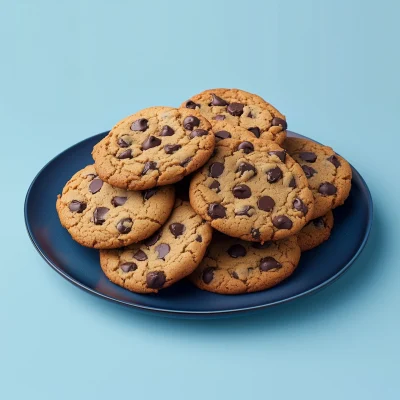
{"points": [[224, 130], [154, 147], [328, 174], [253, 191], [101, 216], [241, 108], [233, 266], [315, 232], [161, 260]]}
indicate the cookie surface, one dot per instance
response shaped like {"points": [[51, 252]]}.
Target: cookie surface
{"points": [[224, 130], [315, 232], [166, 257], [233, 266], [101, 216], [329, 175], [243, 109], [252, 190], [154, 147]]}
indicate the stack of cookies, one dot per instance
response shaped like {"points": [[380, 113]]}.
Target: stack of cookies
{"points": [[213, 191]]}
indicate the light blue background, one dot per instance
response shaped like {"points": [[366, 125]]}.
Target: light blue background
{"points": [[71, 69]]}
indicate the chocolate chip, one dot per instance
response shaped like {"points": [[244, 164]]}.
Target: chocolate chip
{"points": [[223, 135], [255, 131], [309, 171], [140, 255], [319, 222], [198, 133], [125, 154], [217, 101], [266, 203], [274, 174], [208, 274], [123, 142], [255, 233], [166, 131], [246, 210], [281, 154], [190, 122], [95, 185], [199, 238], [244, 166], [99, 215], [236, 251], [308, 156], [334, 160], [258, 245], [300, 206], [177, 229], [118, 201], [279, 121], [128, 266], [185, 162], [234, 275], [147, 194], [216, 210], [77, 206], [155, 279], [235, 109], [171, 148], [125, 225], [153, 239], [292, 183], [268, 263], [327, 189], [241, 192], [282, 222], [216, 169], [247, 147], [151, 142], [219, 117], [162, 250], [140, 125], [191, 104], [149, 165], [250, 115], [215, 185]]}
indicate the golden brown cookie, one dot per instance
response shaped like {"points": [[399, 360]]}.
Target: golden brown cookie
{"points": [[161, 260], [154, 147], [315, 232], [328, 174], [253, 191], [224, 130], [243, 109], [101, 216], [233, 266]]}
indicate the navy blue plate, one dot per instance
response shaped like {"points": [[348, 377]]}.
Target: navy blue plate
{"points": [[80, 265]]}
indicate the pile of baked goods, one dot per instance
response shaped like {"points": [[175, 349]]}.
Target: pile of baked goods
{"points": [[213, 190]]}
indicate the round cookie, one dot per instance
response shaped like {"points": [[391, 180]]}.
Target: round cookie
{"points": [[241, 108], [315, 232], [233, 266], [154, 147], [329, 175], [104, 217], [224, 130], [253, 191], [166, 257]]}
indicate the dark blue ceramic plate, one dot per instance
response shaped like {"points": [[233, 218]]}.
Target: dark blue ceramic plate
{"points": [[81, 266]]}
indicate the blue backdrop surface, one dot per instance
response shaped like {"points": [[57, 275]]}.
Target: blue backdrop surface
{"points": [[72, 69]]}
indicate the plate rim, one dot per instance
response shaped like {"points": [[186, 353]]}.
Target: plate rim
{"points": [[157, 310]]}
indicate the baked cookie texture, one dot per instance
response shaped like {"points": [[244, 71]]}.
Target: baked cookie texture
{"points": [[329, 175], [315, 232], [233, 266], [224, 130], [243, 109], [253, 191], [101, 216], [163, 259], [154, 147]]}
